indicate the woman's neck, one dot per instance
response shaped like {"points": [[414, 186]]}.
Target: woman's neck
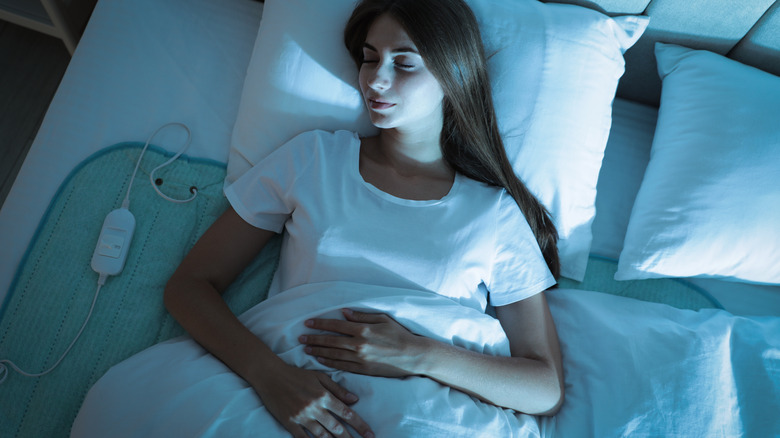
{"points": [[412, 152]]}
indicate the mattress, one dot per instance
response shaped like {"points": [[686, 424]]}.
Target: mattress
{"points": [[139, 65]]}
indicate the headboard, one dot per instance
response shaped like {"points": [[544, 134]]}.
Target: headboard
{"points": [[745, 30]]}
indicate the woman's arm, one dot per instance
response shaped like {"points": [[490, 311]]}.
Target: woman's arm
{"points": [[193, 294], [297, 398], [530, 381]]}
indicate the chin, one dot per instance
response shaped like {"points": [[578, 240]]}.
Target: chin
{"points": [[382, 122]]}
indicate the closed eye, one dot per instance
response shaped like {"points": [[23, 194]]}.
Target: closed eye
{"points": [[396, 64]]}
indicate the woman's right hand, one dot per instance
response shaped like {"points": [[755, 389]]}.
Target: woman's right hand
{"points": [[303, 400]]}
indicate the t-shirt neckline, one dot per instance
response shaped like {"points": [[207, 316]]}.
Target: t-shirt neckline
{"points": [[355, 167]]}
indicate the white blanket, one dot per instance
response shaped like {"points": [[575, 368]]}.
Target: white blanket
{"points": [[632, 369], [639, 369], [177, 389]]}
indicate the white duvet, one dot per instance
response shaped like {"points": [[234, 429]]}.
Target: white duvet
{"points": [[632, 369], [639, 369], [177, 389]]}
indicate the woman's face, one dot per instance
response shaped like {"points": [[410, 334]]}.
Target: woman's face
{"points": [[398, 89]]}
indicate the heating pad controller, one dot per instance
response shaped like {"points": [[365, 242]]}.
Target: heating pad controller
{"points": [[114, 242]]}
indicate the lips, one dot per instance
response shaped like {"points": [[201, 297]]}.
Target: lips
{"points": [[379, 104]]}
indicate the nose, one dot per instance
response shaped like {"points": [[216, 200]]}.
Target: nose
{"points": [[380, 79]]}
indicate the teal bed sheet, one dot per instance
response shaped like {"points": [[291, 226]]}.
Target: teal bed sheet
{"points": [[54, 286]]}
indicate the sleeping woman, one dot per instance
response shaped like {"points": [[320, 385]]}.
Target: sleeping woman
{"points": [[394, 248]]}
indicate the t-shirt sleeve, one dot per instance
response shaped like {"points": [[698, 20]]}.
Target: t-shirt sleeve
{"points": [[262, 195], [519, 269]]}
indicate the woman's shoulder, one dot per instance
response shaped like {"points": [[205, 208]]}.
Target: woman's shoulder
{"points": [[319, 136], [482, 190], [493, 200], [320, 142]]}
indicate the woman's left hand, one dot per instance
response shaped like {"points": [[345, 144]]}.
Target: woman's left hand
{"points": [[366, 343]]}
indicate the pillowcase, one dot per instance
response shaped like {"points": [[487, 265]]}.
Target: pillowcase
{"points": [[709, 203], [554, 71]]}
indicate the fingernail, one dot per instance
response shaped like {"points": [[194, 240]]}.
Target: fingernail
{"points": [[352, 397], [347, 311], [369, 435], [307, 349], [302, 338], [309, 322]]}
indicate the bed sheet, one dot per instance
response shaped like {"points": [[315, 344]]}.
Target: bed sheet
{"points": [[140, 64], [625, 160]]}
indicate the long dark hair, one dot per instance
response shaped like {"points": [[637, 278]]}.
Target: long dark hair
{"points": [[447, 36]]}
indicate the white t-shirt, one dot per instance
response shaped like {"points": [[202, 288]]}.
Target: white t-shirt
{"points": [[341, 228]]}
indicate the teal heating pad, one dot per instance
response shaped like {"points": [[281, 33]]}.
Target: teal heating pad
{"points": [[54, 286]]}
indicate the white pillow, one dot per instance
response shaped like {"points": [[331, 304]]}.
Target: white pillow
{"points": [[709, 203], [554, 70]]}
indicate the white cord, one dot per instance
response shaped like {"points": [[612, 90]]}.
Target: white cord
{"points": [[4, 369], [193, 190]]}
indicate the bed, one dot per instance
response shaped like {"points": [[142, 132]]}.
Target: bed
{"points": [[660, 166]]}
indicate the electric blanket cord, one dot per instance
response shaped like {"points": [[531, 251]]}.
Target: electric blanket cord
{"points": [[193, 189]]}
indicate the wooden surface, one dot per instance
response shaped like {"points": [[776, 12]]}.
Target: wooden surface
{"points": [[31, 67]]}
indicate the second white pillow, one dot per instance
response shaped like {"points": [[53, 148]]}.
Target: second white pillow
{"points": [[709, 203]]}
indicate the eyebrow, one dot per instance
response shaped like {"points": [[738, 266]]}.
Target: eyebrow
{"points": [[398, 50]]}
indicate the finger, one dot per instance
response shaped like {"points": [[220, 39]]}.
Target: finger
{"points": [[342, 410], [331, 325], [317, 430], [353, 419], [296, 430], [352, 367], [331, 353], [330, 341], [337, 390], [363, 317], [334, 426]]}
